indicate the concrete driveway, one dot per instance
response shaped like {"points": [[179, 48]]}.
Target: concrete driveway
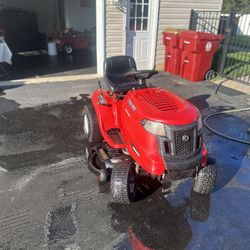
{"points": [[49, 199]]}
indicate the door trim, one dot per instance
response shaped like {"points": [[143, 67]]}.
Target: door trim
{"points": [[100, 35], [154, 32], [155, 18]]}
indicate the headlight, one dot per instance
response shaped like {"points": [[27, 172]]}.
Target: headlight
{"points": [[200, 124], [155, 128]]}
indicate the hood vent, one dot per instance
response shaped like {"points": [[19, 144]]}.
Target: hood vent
{"points": [[161, 101]]}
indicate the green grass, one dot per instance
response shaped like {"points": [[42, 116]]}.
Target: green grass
{"points": [[217, 79], [240, 56], [238, 64]]}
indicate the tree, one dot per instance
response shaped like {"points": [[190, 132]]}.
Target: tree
{"points": [[236, 5]]}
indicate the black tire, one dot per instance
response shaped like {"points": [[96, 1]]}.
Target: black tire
{"points": [[204, 181], [121, 179], [86, 155], [68, 49], [210, 75], [92, 134]]}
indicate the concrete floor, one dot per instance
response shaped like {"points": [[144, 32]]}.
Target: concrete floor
{"points": [[39, 65], [49, 200]]}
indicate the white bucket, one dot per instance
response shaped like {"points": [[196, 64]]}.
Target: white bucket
{"points": [[52, 50]]}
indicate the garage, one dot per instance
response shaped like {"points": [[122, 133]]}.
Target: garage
{"points": [[48, 36]]}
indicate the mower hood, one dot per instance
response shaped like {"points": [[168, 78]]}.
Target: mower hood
{"points": [[161, 105]]}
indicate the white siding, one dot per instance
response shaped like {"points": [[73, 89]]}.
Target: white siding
{"points": [[114, 30], [176, 14]]}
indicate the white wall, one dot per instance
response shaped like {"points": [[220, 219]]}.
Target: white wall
{"points": [[77, 17], [45, 10], [244, 25]]}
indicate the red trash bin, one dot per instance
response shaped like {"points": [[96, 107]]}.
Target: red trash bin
{"points": [[172, 51], [198, 49]]}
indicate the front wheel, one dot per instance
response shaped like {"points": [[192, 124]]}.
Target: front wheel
{"points": [[68, 49], [91, 130], [123, 183], [204, 181]]}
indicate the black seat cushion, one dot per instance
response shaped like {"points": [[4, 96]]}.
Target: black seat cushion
{"points": [[115, 69]]}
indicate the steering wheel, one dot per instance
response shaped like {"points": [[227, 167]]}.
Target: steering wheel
{"points": [[142, 74]]}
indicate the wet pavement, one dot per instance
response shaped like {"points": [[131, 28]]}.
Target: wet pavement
{"points": [[49, 199]]}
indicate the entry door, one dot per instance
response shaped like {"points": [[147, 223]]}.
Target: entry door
{"points": [[139, 32]]}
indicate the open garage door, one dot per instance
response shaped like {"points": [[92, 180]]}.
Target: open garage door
{"points": [[49, 36]]}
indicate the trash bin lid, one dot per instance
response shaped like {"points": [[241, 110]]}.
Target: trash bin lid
{"points": [[173, 31], [189, 34]]}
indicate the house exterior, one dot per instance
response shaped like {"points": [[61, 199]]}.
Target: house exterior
{"points": [[134, 27]]}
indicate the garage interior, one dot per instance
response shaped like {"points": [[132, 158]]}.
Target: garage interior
{"points": [[30, 25]]}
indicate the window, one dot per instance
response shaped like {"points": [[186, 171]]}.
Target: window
{"points": [[138, 15]]}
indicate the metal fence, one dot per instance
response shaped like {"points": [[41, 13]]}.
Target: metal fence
{"points": [[233, 58]]}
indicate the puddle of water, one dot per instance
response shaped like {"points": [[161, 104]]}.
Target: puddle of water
{"points": [[61, 224]]}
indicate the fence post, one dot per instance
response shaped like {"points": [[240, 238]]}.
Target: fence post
{"points": [[226, 44], [191, 19]]}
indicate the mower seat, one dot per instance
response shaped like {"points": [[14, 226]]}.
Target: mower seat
{"points": [[115, 69]]}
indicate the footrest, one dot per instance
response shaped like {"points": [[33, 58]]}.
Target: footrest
{"points": [[115, 135]]}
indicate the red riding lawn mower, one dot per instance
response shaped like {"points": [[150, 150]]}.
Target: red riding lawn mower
{"points": [[136, 129]]}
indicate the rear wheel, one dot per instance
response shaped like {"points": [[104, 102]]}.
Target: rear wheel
{"points": [[123, 183], [204, 181], [210, 75], [91, 128]]}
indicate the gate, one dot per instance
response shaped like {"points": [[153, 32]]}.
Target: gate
{"points": [[233, 58]]}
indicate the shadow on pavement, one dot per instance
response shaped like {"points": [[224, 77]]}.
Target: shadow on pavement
{"points": [[154, 223], [6, 105], [199, 101], [8, 85]]}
